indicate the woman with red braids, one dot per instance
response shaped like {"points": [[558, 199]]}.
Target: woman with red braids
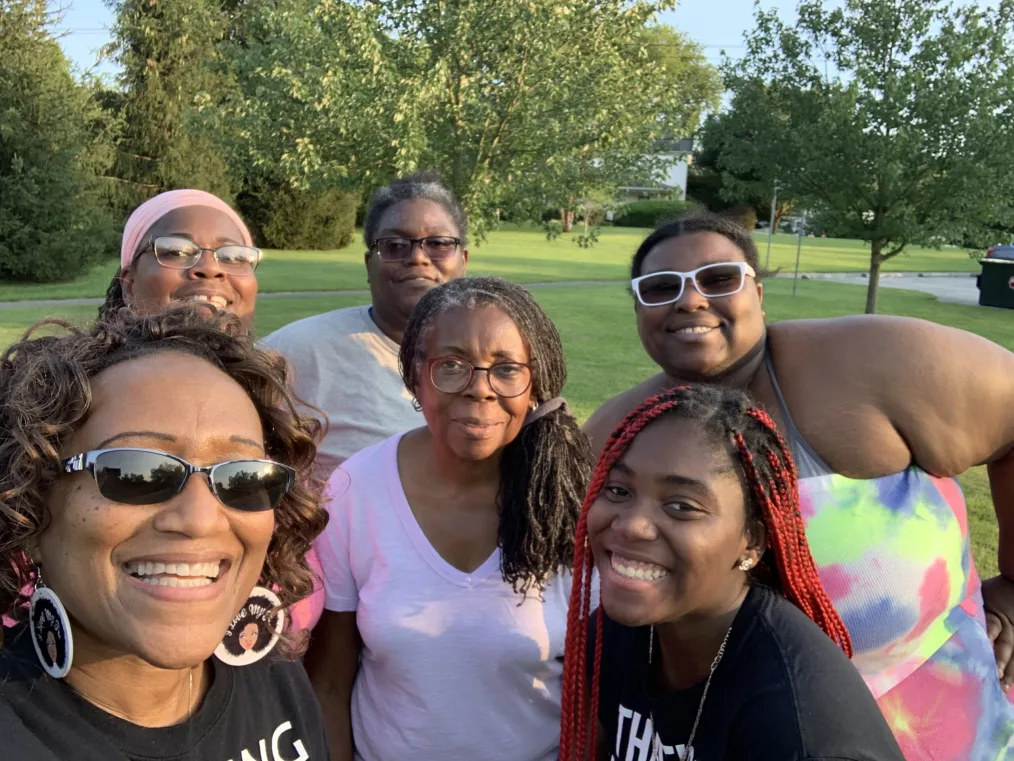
{"points": [[715, 639]]}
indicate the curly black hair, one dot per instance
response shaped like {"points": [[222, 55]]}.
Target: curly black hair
{"points": [[544, 471], [45, 395], [114, 297]]}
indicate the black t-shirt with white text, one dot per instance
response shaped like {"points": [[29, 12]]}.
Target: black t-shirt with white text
{"points": [[265, 711], [783, 691]]}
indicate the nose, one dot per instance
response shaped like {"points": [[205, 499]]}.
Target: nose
{"points": [[479, 388], [634, 525], [207, 267], [417, 256], [691, 299], [195, 512]]}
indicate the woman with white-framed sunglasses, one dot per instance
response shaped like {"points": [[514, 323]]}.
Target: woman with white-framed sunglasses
{"points": [[881, 414]]}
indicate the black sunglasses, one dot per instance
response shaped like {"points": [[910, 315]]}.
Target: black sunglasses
{"points": [[148, 477]]}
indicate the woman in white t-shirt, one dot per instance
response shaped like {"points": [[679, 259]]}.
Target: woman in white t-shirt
{"points": [[445, 560]]}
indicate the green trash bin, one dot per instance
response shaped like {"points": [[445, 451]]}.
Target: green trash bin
{"points": [[996, 283]]}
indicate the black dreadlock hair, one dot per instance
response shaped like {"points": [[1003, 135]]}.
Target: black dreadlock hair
{"points": [[698, 222], [114, 297], [544, 471]]}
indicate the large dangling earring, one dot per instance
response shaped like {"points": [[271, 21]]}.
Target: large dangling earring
{"points": [[50, 628], [254, 632]]}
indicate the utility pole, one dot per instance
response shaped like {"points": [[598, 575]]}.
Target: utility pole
{"points": [[771, 225]]}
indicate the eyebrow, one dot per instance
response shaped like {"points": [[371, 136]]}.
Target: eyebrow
{"points": [[671, 478], [159, 436], [458, 351], [189, 237]]}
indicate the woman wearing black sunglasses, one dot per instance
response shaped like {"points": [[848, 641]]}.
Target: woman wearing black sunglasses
{"points": [[445, 562], [153, 476], [185, 245]]}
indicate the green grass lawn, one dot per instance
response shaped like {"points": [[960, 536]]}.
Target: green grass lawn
{"points": [[524, 256], [605, 357]]}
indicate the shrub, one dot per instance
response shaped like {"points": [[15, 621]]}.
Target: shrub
{"points": [[281, 217], [649, 213]]}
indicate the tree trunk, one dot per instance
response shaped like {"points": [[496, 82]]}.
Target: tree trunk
{"points": [[876, 259], [567, 220]]}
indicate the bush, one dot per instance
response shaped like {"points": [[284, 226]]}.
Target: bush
{"points": [[649, 213], [281, 217], [744, 216]]}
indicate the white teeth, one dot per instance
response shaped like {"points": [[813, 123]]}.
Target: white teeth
{"points": [[631, 569], [151, 572], [695, 330], [218, 301]]}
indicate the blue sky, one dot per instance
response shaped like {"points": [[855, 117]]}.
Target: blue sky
{"points": [[717, 24]]}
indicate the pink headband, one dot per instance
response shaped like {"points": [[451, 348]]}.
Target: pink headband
{"points": [[152, 210]]}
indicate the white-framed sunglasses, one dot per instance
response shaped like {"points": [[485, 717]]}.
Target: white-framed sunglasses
{"points": [[711, 281]]}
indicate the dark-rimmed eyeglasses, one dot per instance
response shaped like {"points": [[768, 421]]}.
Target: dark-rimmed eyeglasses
{"points": [[179, 253], [133, 476], [436, 247], [507, 379], [711, 281]]}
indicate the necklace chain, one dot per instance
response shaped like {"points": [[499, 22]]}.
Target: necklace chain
{"points": [[704, 695]]}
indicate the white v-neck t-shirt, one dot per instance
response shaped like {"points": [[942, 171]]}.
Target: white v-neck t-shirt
{"points": [[455, 665]]}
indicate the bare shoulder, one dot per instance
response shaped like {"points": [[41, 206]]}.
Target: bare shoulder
{"points": [[611, 413], [947, 392]]}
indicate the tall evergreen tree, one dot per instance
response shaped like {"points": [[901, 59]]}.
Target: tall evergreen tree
{"points": [[53, 221], [168, 50]]}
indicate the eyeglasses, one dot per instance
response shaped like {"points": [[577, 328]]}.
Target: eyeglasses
{"points": [[148, 477], [711, 281], [507, 379], [435, 247], [183, 254]]}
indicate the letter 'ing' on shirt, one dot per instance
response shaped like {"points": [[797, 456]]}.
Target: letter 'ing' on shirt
{"points": [[297, 748]]}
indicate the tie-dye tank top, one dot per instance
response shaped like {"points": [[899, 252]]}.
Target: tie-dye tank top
{"points": [[894, 555]]}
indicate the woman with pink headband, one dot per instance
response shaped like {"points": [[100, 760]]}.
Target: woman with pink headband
{"points": [[185, 245]]}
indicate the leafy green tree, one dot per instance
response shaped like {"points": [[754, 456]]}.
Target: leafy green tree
{"points": [[891, 119], [168, 51], [519, 104], [54, 144]]}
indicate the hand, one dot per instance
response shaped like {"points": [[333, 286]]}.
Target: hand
{"points": [[998, 596]]}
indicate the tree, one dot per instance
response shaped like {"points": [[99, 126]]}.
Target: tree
{"points": [[518, 104], [890, 118], [52, 221], [718, 185], [168, 51]]}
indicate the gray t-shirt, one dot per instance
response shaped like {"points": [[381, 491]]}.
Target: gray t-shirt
{"points": [[343, 364]]}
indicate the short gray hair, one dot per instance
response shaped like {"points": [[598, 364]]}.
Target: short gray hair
{"points": [[428, 186]]}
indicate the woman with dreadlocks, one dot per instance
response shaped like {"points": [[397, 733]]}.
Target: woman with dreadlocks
{"points": [[881, 414], [715, 639], [446, 561]]}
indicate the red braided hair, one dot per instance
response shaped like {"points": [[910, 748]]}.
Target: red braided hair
{"points": [[770, 474]]}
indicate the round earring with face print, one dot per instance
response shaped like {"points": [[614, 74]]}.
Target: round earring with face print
{"points": [[50, 630], [254, 631]]}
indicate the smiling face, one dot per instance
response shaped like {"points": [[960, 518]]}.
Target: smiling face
{"points": [[697, 338], [248, 637], [149, 287], [668, 530], [201, 558], [396, 287], [476, 423]]}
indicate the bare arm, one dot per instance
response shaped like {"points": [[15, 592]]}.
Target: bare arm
{"points": [[332, 662]]}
